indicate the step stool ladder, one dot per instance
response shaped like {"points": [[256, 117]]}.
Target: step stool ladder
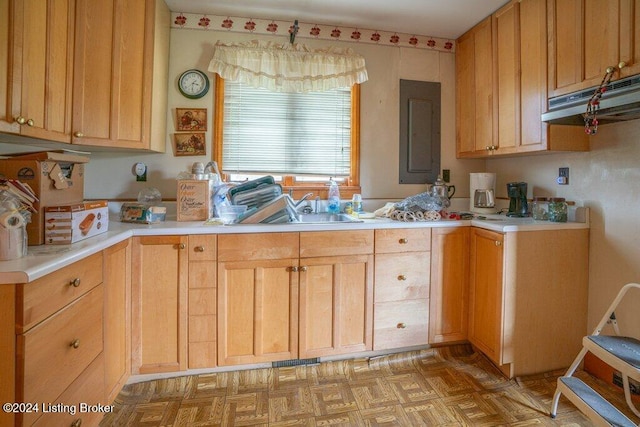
{"points": [[621, 353]]}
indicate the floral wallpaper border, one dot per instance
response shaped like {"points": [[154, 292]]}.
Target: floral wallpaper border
{"points": [[308, 31]]}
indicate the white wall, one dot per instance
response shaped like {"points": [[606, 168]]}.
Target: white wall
{"points": [[607, 180], [109, 175]]}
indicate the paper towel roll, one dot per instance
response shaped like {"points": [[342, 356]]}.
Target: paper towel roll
{"points": [[11, 220]]}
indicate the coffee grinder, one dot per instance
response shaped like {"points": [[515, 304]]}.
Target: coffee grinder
{"points": [[517, 192]]}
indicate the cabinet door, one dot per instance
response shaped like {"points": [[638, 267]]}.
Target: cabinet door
{"points": [[588, 36], [40, 54], [114, 69], [507, 66], [257, 311], [117, 317], [159, 304], [474, 91], [486, 292], [449, 299], [336, 304]]}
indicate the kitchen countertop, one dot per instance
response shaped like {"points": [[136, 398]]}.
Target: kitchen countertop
{"points": [[45, 259]]}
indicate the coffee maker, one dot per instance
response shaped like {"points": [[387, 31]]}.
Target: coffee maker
{"points": [[483, 188], [517, 192]]}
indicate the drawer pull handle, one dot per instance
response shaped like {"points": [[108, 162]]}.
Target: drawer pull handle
{"points": [[293, 269], [75, 282], [181, 246], [402, 277], [498, 243], [75, 344], [199, 249], [401, 325], [403, 241], [303, 268], [76, 423], [78, 134]]}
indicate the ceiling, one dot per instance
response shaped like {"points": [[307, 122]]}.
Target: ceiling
{"points": [[438, 18]]}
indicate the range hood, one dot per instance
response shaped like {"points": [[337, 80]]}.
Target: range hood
{"points": [[620, 102]]}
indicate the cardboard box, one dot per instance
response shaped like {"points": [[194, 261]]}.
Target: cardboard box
{"points": [[72, 223], [57, 178], [194, 200]]}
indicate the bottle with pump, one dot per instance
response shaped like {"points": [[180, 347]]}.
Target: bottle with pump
{"points": [[333, 206]]}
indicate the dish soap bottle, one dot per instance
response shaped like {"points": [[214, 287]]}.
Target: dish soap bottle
{"points": [[333, 206]]}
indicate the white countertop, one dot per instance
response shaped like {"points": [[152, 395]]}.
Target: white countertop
{"points": [[45, 259]]}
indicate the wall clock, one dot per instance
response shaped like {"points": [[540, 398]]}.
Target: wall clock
{"points": [[193, 84]]}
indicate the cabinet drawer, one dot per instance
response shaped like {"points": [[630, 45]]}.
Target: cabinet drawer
{"points": [[48, 360], [87, 389], [400, 324], [336, 243], [403, 240], [402, 276], [43, 297], [247, 247], [202, 247]]}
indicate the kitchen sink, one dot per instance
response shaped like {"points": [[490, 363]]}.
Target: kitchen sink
{"points": [[325, 217]]}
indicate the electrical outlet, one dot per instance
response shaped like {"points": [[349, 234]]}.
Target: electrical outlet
{"points": [[563, 176], [446, 175]]}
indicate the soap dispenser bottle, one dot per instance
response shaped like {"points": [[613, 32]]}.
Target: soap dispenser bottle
{"points": [[333, 206]]}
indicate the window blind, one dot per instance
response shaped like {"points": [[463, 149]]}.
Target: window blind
{"points": [[281, 133]]}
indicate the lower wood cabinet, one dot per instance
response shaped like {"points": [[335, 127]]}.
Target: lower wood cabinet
{"points": [[202, 301], [117, 317], [401, 303], [528, 297], [486, 314], [257, 298], [159, 304], [335, 305], [449, 297]]}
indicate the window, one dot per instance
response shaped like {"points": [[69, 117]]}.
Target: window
{"points": [[302, 139]]}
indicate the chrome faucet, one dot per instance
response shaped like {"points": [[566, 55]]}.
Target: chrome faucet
{"points": [[302, 199]]}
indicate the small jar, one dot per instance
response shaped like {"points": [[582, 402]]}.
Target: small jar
{"points": [[557, 209], [540, 209]]}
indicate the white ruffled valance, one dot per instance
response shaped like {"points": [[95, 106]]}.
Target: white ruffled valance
{"points": [[288, 67]]}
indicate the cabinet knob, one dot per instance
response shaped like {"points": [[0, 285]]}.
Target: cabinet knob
{"points": [[75, 343], [403, 241], [199, 249], [498, 243], [76, 423], [303, 268], [75, 282], [402, 277], [401, 325], [24, 121], [293, 269], [78, 134], [181, 246]]}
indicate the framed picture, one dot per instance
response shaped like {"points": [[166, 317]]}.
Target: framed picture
{"points": [[190, 144], [191, 119]]}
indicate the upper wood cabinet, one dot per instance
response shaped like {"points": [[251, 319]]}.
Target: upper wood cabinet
{"points": [[121, 67], [586, 37], [474, 91], [85, 72], [36, 53], [510, 87]]}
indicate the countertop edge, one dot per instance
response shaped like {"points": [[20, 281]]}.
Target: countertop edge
{"points": [[45, 259]]}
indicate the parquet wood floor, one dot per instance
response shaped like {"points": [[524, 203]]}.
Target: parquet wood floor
{"points": [[447, 386]]}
